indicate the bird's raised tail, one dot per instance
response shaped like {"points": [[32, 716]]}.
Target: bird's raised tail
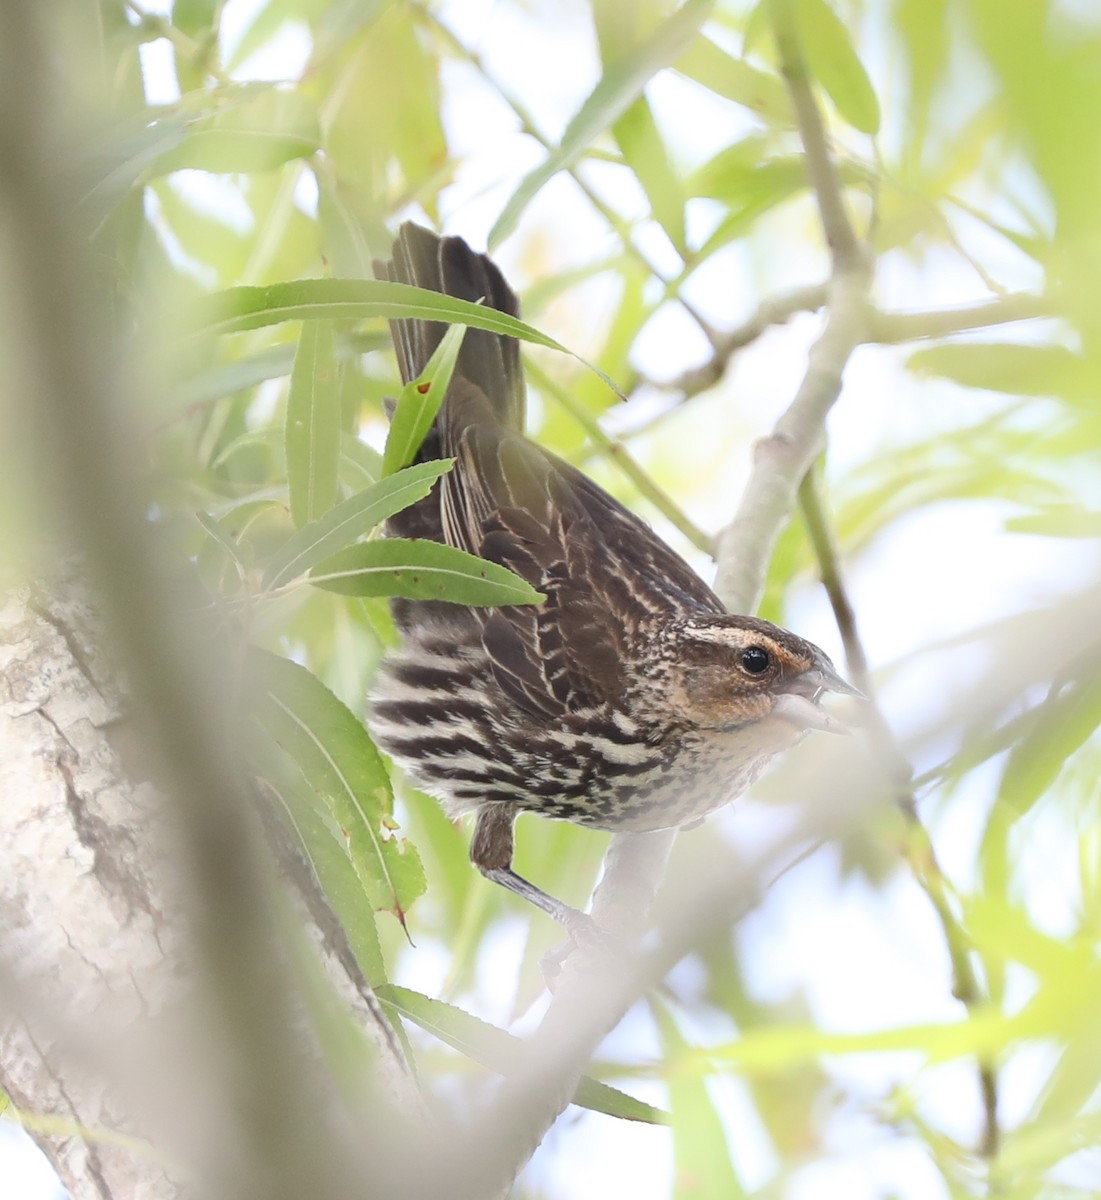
{"points": [[489, 361]]}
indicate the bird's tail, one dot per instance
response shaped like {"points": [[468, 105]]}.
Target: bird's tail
{"points": [[489, 361]]}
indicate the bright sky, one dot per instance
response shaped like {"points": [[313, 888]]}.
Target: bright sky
{"points": [[863, 960]]}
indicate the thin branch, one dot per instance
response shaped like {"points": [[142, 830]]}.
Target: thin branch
{"points": [[847, 251], [277, 1142], [920, 853], [890, 328], [621, 456], [775, 310], [528, 125]]}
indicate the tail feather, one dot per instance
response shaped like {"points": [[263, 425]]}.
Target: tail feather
{"points": [[489, 361]]}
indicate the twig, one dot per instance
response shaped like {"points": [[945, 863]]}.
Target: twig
{"points": [[920, 854], [775, 310], [619, 454], [889, 328], [847, 251], [528, 125], [277, 1142]]}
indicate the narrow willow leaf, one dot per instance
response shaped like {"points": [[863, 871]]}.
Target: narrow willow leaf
{"points": [[1062, 521], [360, 466], [421, 570], [351, 519], [313, 424], [420, 401], [119, 160], [497, 1049], [619, 87], [645, 153], [1013, 367], [239, 309], [261, 131], [734, 79], [835, 64], [345, 771], [214, 529], [226, 378], [326, 850], [702, 1167]]}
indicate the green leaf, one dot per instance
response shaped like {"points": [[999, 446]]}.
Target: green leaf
{"points": [[326, 850], [122, 158], [834, 63], [223, 379], [222, 538], [239, 309], [347, 775], [421, 570], [645, 153], [351, 519], [734, 79], [1063, 521], [420, 401], [497, 1049], [702, 1167], [313, 424], [1016, 368], [258, 132], [619, 87]]}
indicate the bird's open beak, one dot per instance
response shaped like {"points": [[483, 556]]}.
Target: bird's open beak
{"points": [[799, 704]]}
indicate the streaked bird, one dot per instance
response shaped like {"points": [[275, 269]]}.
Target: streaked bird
{"points": [[627, 700]]}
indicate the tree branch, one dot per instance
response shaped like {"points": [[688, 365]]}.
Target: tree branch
{"points": [[921, 856]]}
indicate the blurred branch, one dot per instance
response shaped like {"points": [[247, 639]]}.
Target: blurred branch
{"points": [[888, 327], [621, 456], [847, 252], [782, 459], [275, 1136], [528, 125], [920, 854]]}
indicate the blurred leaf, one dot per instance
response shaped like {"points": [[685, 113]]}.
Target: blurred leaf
{"points": [[1063, 724], [223, 379], [923, 25], [221, 538], [384, 133], [497, 1049], [645, 153], [617, 90], [351, 519], [421, 570], [734, 79], [313, 424], [121, 157], [242, 308], [260, 131], [326, 850], [835, 65], [702, 1167], [1013, 367], [420, 401], [351, 785], [1061, 521], [360, 466]]}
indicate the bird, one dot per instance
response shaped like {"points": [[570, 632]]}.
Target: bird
{"points": [[629, 698]]}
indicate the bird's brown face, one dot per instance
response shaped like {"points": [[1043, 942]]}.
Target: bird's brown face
{"points": [[727, 672]]}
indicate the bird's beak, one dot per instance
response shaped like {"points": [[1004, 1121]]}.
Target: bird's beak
{"points": [[799, 704]]}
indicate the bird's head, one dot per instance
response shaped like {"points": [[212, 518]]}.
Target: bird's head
{"points": [[728, 672]]}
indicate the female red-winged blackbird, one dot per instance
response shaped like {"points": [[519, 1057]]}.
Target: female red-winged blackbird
{"points": [[628, 700]]}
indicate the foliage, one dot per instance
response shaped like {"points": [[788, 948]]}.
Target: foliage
{"points": [[237, 222]]}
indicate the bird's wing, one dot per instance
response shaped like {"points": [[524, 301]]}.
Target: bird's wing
{"points": [[604, 573]]}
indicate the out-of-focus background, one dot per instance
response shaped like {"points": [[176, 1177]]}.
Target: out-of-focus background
{"points": [[818, 1050]]}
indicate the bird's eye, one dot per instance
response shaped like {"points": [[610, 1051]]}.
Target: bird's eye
{"points": [[756, 660]]}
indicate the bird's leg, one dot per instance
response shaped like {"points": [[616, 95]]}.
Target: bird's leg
{"points": [[491, 852]]}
